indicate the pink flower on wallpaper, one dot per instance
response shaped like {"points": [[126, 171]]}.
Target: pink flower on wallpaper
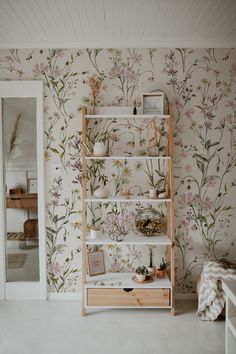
{"points": [[188, 168], [187, 199], [55, 268], [60, 53], [178, 142], [180, 129], [227, 119], [231, 104], [208, 124], [177, 103], [205, 59], [184, 222], [232, 70], [116, 71], [207, 204], [184, 155], [189, 113], [137, 58], [111, 219], [40, 69], [56, 72], [132, 75]]}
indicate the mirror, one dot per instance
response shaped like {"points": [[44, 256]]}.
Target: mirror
{"points": [[20, 177]]}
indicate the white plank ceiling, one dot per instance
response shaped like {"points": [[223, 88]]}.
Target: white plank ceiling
{"points": [[117, 23]]}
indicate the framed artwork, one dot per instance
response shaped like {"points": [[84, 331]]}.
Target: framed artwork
{"points": [[153, 103], [32, 185], [96, 264]]}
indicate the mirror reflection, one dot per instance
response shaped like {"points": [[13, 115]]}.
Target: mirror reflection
{"points": [[20, 175]]}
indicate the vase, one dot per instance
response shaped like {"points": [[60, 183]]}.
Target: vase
{"points": [[152, 193], [99, 149], [95, 233], [101, 192]]}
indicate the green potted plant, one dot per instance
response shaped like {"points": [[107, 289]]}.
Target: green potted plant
{"points": [[162, 269], [141, 273], [151, 268]]}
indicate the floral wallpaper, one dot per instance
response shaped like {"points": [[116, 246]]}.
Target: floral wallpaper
{"points": [[201, 86]]}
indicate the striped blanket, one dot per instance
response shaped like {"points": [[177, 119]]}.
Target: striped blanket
{"points": [[211, 297]]}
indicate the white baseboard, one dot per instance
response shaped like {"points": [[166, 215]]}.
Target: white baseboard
{"points": [[186, 296], [64, 296]]}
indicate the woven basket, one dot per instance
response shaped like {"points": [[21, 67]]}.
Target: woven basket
{"points": [[31, 228]]}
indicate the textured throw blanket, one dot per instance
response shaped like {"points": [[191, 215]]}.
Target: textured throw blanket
{"points": [[211, 298]]}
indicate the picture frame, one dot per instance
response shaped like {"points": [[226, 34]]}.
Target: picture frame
{"points": [[153, 103], [32, 185], [96, 265]]}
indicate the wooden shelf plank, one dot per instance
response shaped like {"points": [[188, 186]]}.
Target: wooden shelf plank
{"points": [[125, 200], [126, 116], [134, 239], [124, 280], [92, 157]]}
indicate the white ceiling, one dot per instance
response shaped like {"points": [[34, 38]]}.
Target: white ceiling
{"points": [[117, 23]]}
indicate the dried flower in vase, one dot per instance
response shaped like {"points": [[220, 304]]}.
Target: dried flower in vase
{"points": [[14, 134], [95, 83]]}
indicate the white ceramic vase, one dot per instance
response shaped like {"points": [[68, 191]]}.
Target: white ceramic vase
{"points": [[95, 233], [152, 193], [99, 149], [101, 192]]}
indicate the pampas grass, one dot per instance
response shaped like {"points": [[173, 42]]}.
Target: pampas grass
{"points": [[14, 135]]}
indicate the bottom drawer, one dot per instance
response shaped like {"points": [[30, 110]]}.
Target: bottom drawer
{"points": [[128, 297]]}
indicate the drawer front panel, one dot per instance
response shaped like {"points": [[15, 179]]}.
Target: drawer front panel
{"points": [[128, 297]]}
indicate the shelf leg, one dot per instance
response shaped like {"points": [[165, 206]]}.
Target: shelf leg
{"points": [[84, 311]]}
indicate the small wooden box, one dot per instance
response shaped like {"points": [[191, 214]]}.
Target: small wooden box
{"points": [[31, 228]]}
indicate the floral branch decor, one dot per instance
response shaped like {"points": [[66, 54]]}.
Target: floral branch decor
{"points": [[62, 276], [61, 82], [214, 160], [121, 262], [119, 221]]}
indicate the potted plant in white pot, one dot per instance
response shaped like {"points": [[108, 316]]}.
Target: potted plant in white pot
{"points": [[141, 273], [151, 268]]}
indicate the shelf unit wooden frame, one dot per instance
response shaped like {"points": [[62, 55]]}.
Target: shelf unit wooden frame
{"points": [[124, 281]]}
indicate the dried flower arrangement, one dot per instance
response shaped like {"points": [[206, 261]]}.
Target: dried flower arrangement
{"points": [[12, 144], [95, 83]]}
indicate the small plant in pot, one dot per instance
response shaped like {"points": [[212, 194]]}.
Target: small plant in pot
{"points": [[151, 268], [141, 273], [162, 269]]}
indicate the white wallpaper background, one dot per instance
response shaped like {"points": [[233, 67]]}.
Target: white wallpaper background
{"points": [[201, 85]]}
